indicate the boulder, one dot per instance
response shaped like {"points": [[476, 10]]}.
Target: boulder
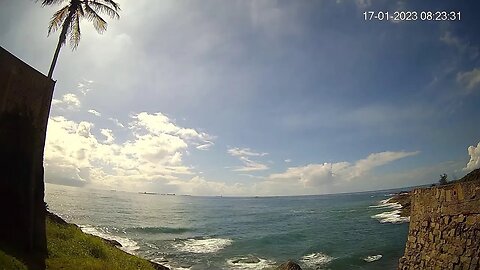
{"points": [[289, 266]]}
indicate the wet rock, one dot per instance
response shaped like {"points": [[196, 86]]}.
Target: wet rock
{"points": [[289, 266]]}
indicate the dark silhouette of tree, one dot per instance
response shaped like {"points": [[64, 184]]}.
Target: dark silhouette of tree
{"points": [[68, 19], [443, 179]]}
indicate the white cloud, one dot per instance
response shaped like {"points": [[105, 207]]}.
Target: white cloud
{"points": [[94, 112], [239, 152], [470, 79], [118, 123], [462, 46], [68, 102], [321, 178], [109, 138], [287, 160], [250, 165], [85, 86], [159, 124], [74, 155], [362, 4], [474, 162], [244, 155]]}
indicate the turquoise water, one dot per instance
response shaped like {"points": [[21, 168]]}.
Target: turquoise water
{"points": [[183, 232]]}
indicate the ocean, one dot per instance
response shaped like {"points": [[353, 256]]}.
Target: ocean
{"points": [[341, 231]]}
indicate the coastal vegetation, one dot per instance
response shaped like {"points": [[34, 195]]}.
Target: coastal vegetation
{"points": [[70, 248]]}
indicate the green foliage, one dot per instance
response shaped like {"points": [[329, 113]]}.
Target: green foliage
{"points": [[443, 179], [70, 248], [10, 263]]}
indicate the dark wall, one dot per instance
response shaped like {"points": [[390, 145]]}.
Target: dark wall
{"points": [[25, 98]]}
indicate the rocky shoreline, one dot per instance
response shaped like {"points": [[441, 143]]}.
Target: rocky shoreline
{"points": [[404, 199], [289, 265], [57, 219]]}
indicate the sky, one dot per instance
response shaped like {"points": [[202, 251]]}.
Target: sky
{"points": [[258, 98]]}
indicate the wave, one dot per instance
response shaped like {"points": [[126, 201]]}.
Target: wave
{"points": [[209, 245], [373, 258], [249, 262], [158, 230], [128, 245], [391, 217], [387, 204], [315, 260]]}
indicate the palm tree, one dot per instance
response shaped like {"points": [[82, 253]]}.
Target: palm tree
{"points": [[68, 18]]}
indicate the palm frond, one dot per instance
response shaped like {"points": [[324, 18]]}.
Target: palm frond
{"points": [[98, 22], [75, 30], [58, 19], [103, 8], [114, 5], [50, 2]]}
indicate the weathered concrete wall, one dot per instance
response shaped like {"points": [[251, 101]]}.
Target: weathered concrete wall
{"points": [[25, 97], [444, 228]]}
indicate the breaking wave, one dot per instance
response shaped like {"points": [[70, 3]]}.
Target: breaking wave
{"points": [[316, 260], [128, 245], [209, 245]]}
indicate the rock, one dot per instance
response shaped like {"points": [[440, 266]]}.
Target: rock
{"points": [[113, 243], [289, 266], [247, 260], [157, 266]]}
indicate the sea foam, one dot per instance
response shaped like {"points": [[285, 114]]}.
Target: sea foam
{"points": [[128, 245], [209, 245], [372, 258], [390, 216], [315, 260]]}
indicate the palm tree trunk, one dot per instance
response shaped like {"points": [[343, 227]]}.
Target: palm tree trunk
{"points": [[55, 57], [61, 41]]}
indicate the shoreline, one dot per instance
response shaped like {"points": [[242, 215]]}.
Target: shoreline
{"points": [[111, 242], [402, 198]]}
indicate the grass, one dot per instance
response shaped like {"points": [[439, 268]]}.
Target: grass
{"points": [[70, 248], [8, 262]]}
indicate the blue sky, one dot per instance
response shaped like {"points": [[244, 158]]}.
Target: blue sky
{"points": [[258, 97]]}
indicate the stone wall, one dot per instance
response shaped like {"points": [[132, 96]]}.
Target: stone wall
{"points": [[444, 228], [25, 98]]}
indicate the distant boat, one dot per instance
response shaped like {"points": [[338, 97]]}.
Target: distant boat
{"points": [[148, 193]]}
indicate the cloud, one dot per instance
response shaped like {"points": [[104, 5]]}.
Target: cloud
{"points": [[94, 112], [239, 152], [154, 152], [322, 177], [474, 162], [68, 102], [85, 86], [244, 155], [159, 124], [362, 4], [462, 46], [287, 160], [109, 138], [250, 166], [470, 79], [118, 123]]}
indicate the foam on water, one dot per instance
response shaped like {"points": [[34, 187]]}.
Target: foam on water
{"points": [[315, 260], [387, 204], [391, 217], [209, 245], [247, 263], [128, 245], [373, 258]]}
